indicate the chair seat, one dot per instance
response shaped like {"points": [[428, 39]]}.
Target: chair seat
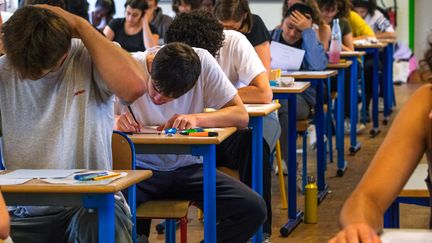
{"points": [[163, 209]]}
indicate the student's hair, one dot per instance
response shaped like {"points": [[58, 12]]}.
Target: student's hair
{"points": [[426, 62], [34, 39], [198, 29], [344, 6], [312, 4], [300, 7], [370, 5], [175, 69], [234, 10], [107, 4], [138, 4], [213, 1], [58, 3], [195, 4]]}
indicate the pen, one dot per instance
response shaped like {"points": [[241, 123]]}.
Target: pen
{"points": [[133, 116], [89, 176], [106, 176], [203, 134]]}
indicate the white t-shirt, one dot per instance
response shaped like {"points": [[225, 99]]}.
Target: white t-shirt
{"points": [[238, 59], [378, 22], [212, 90]]}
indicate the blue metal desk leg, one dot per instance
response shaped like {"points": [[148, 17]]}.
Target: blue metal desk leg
{"points": [[391, 216], [257, 162], [132, 206], [341, 163], [355, 146], [319, 118], [294, 216], [209, 158], [375, 86], [388, 81], [104, 203], [170, 231]]}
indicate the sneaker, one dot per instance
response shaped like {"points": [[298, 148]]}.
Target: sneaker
{"points": [[266, 238], [347, 127], [276, 168]]}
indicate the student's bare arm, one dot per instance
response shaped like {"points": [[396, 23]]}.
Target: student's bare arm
{"points": [[109, 33], [232, 114], [123, 76], [347, 43], [391, 167], [324, 34], [4, 219], [258, 91], [263, 51], [150, 40]]}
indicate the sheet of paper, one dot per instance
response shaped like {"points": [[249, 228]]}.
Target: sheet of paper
{"points": [[285, 57], [306, 72], [71, 181], [40, 173], [8, 181], [149, 130], [404, 236]]}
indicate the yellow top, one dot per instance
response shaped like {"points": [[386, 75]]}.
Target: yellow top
{"points": [[359, 26]]}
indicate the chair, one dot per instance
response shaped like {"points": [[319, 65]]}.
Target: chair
{"points": [[123, 153]]}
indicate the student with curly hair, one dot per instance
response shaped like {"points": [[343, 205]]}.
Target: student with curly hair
{"points": [[246, 72], [362, 214]]}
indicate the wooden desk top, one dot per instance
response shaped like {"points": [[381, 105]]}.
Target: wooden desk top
{"points": [[352, 53], [179, 139], [371, 45], [416, 186], [298, 87], [388, 41], [255, 110], [340, 65], [39, 186], [309, 74]]}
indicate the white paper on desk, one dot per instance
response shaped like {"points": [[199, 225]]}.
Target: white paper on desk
{"points": [[39, 173], [71, 181], [8, 181], [306, 72], [402, 236], [285, 57]]}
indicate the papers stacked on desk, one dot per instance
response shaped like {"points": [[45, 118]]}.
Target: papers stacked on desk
{"points": [[22, 176], [285, 57], [71, 181]]}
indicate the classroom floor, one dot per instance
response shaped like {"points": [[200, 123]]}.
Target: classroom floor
{"points": [[340, 188]]}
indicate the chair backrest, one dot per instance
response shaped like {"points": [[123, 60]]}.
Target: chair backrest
{"points": [[123, 152]]}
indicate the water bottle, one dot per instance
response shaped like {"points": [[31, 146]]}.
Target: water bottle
{"points": [[335, 43], [311, 201]]}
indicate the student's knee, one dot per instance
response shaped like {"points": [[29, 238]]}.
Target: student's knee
{"points": [[257, 205]]}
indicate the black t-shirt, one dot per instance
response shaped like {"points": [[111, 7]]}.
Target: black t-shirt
{"points": [[297, 44], [259, 32], [131, 43]]}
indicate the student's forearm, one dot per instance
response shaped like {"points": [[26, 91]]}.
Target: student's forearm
{"points": [[121, 72], [4, 220], [226, 117], [148, 39], [386, 35], [255, 95]]}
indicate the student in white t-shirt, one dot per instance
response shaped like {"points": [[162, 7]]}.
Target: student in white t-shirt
{"points": [[182, 82], [240, 62]]}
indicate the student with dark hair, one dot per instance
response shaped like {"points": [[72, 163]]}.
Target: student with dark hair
{"points": [[182, 81], [246, 72], [367, 9], [407, 141], [158, 19], [102, 14], [236, 15], [208, 5], [134, 32], [296, 31], [321, 27], [185, 6], [67, 85]]}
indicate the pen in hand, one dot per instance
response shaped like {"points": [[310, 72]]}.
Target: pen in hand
{"points": [[133, 116]]}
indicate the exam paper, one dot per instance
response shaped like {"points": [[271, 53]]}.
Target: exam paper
{"points": [[404, 236], [71, 181], [39, 173], [8, 181], [285, 57]]}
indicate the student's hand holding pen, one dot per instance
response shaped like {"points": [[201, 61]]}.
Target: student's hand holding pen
{"points": [[126, 123], [355, 233], [181, 122]]}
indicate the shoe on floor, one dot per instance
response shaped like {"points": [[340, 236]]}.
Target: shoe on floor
{"points": [[347, 127], [266, 238], [276, 168]]}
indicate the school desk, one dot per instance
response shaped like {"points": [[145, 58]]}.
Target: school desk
{"points": [[373, 49], [354, 57], [415, 192], [318, 78], [289, 93], [340, 115], [197, 146], [101, 197], [388, 90]]}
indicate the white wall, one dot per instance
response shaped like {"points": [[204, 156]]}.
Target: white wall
{"points": [[423, 26]]}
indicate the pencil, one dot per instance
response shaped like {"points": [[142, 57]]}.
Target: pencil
{"points": [[106, 176], [133, 116]]}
